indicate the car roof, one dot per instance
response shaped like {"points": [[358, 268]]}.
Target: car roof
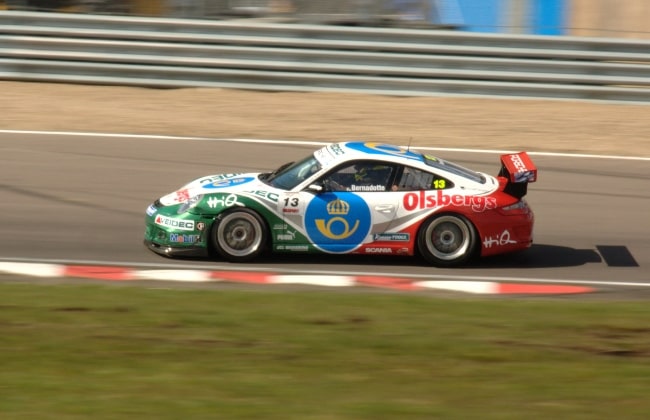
{"points": [[337, 153], [354, 150]]}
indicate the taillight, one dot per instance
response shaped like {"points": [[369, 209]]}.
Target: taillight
{"points": [[520, 207]]}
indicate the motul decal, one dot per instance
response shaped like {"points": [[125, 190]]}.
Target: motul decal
{"points": [[427, 200]]}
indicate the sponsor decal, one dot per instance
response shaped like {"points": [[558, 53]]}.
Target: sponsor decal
{"points": [[377, 250], [290, 210], [523, 174], [328, 154], [527, 176], [289, 236], [227, 201], [270, 196], [499, 240], [183, 239], [292, 248], [182, 195], [367, 188], [520, 167], [151, 210], [176, 197], [174, 223], [219, 177], [336, 149], [225, 183], [393, 237], [519, 164], [384, 149], [336, 224], [324, 157], [427, 200], [279, 226]]}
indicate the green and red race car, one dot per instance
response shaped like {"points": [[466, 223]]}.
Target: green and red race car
{"points": [[350, 198]]}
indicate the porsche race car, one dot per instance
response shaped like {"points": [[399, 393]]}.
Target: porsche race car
{"points": [[350, 198]]}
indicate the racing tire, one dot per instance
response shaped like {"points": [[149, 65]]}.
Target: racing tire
{"points": [[447, 240], [239, 235]]}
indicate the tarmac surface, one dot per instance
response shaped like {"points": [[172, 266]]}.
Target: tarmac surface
{"points": [[80, 199]]}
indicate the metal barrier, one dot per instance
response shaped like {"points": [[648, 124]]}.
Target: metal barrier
{"points": [[261, 55]]}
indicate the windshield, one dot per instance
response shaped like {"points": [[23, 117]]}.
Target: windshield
{"points": [[287, 177], [454, 169]]}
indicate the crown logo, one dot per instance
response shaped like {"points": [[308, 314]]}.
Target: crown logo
{"points": [[338, 207]]}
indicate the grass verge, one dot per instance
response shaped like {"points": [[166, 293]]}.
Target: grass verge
{"points": [[70, 351]]}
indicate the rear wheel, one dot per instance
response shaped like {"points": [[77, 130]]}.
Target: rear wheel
{"points": [[447, 240], [239, 235]]}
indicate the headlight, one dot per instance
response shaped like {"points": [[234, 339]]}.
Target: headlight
{"points": [[190, 203]]}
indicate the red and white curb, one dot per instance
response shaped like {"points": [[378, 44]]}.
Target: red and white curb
{"points": [[111, 273]]}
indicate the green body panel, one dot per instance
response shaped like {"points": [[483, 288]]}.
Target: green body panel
{"points": [[191, 229]]}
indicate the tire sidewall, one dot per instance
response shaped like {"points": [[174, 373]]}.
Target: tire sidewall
{"points": [[434, 260], [225, 254]]}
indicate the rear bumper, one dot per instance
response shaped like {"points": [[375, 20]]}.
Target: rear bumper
{"points": [[504, 234]]}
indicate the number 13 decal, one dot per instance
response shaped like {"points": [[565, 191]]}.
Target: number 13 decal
{"points": [[291, 202]]}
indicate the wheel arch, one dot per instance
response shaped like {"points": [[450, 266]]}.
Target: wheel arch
{"points": [[475, 248], [265, 245]]}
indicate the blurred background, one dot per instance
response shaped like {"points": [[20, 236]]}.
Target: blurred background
{"points": [[592, 18]]}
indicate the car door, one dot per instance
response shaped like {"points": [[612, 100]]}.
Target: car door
{"points": [[355, 204]]}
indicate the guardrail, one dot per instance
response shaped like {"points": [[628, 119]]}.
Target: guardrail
{"points": [[253, 54]]}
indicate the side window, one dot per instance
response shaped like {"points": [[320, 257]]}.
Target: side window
{"points": [[363, 176], [416, 179]]}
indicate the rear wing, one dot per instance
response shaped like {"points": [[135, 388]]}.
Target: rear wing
{"points": [[519, 170]]}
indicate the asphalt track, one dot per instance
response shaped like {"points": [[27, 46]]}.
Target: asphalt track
{"points": [[81, 199]]}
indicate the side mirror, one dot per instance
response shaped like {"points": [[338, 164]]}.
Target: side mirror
{"points": [[315, 188]]}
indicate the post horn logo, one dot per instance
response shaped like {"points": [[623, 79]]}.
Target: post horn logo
{"points": [[338, 209]]}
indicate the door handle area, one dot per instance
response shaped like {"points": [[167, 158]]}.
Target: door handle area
{"points": [[385, 208]]}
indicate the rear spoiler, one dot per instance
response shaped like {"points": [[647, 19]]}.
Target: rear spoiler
{"points": [[519, 170]]}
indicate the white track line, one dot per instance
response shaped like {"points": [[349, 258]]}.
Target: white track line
{"points": [[316, 143]]}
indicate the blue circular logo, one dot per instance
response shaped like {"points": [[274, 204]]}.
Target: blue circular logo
{"points": [[337, 222], [225, 183]]}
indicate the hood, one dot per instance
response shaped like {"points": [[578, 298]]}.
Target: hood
{"points": [[212, 184]]}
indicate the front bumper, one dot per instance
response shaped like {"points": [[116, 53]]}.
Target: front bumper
{"points": [[172, 235], [170, 251]]}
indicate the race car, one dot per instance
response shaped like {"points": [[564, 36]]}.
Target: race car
{"points": [[350, 198]]}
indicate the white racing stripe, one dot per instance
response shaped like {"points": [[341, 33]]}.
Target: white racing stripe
{"points": [[479, 287], [173, 275], [32, 269], [313, 280]]}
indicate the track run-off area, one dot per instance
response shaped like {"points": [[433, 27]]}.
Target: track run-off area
{"points": [[73, 208]]}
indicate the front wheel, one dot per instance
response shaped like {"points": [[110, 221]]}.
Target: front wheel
{"points": [[447, 240], [239, 235]]}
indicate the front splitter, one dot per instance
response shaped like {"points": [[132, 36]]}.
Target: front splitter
{"points": [[170, 251]]}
